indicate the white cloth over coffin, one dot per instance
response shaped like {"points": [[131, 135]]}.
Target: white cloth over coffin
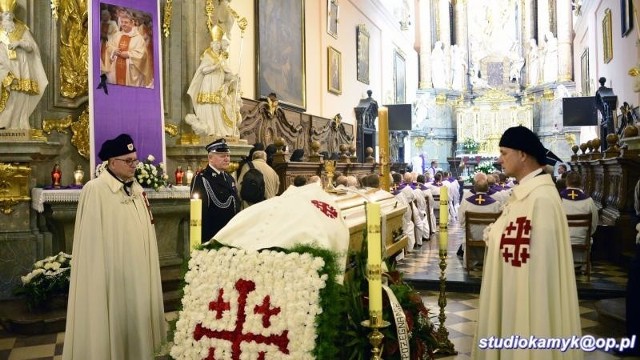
{"points": [[288, 220]]}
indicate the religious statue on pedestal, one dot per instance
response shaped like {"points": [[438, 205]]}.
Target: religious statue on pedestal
{"points": [[22, 77], [215, 88]]}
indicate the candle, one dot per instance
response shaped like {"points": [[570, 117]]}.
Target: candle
{"points": [[443, 240], [374, 261], [195, 223], [383, 146], [444, 207]]}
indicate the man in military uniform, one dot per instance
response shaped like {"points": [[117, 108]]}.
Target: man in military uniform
{"points": [[217, 189]]}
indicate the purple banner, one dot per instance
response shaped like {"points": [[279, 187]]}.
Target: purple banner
{"points": [[125, 59]]}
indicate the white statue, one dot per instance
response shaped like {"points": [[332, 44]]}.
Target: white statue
{"points": [[458, 68], [21, 72], [438, 66], [516, 63], [533, 63], [214, 91], [550, 58]]}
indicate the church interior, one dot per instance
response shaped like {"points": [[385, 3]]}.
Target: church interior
{"points": [[360, 86]]}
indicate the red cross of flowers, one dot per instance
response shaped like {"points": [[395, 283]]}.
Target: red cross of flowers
{"points": [[520, 242], [237, 336], [326, 209]]}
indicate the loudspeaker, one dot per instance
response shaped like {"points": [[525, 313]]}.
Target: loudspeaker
{"points": [[579, 111], [400, 116]]}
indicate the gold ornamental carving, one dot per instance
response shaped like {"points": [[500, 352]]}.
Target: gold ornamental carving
{"points": [[80, 137], [166, 21], [171, 129], [14, 186], [493, 96], [74, 48], [59, 125]]}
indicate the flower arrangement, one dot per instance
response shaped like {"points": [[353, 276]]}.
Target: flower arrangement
{"points": [[485, 167], [245, 304], [49, 278], [470, 145], [151, 176], [421, 332]]}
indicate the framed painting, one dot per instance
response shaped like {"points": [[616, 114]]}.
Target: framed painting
{"points": [[334, 70], [584, 71], [399, 77], [280, 51], [607, 44], [626, 11], [332, 18], [362, 57]]}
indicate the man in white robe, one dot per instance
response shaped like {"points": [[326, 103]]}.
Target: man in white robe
{"points": [[127, 56], [115, 308], [528, 283]]}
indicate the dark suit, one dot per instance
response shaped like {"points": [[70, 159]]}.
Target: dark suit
{"points": [[220, 201]]}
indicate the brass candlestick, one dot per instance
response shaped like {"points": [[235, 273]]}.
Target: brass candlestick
{"points": [[375, 336], [445, 346]]}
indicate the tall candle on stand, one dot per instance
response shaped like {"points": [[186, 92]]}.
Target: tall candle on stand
{"points": [[374, 262], [444, 216], [195, 222], [383, 147]]}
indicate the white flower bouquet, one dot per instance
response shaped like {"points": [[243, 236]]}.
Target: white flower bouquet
{"points": [[150, 175], [485, 167], [48, 279], [470, 145]]}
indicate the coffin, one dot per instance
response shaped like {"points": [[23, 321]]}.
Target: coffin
{"points": [[352, 206]]}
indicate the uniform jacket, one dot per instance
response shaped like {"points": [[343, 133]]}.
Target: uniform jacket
{"points": [[220, 201]]}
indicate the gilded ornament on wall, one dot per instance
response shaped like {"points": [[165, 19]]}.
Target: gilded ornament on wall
{"points": [[74, 48]]}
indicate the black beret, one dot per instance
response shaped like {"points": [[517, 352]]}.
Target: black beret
{"points": [[523, 139], [121, 145], [219, 145]]}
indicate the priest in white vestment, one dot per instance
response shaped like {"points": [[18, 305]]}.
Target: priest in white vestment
{"points": [[115, 308], [528, 283]]}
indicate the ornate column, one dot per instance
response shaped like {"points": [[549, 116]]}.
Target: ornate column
{"points": [[543, 19], [444, 28], [462, 24], [528, 17], [565, 28], [424, 26]]}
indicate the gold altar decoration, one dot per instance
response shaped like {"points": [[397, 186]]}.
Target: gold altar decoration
{"points": [[493, 96], [166, 20], [329, 168], [37, 135], [210, 9], [80, 137], [59, 125], [74, 49], [548, 94], [570, 138], [171, 129], [375, 336], [441, 99], [419, 141], [14, 186]]}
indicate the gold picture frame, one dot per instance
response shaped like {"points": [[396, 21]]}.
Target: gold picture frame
{"points": [[332, 18], [334, 71], [362, 56], [584, 70], [607, 43], [280, 44]]}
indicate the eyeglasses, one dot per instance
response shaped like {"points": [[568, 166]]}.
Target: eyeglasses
{"points": [[129, 162]]}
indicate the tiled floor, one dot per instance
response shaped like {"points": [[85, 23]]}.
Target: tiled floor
{"points": [[420, 268]]}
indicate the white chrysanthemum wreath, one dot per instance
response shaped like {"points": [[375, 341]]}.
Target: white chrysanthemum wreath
{"points": [[242, 304]]}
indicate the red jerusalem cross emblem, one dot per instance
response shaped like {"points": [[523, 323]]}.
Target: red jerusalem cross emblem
{"points": [[326, 209], [515, 242], [237, 336]]}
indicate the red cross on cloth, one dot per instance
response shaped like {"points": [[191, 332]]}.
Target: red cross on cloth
{"points": [[515, 242], [326, 209]]}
